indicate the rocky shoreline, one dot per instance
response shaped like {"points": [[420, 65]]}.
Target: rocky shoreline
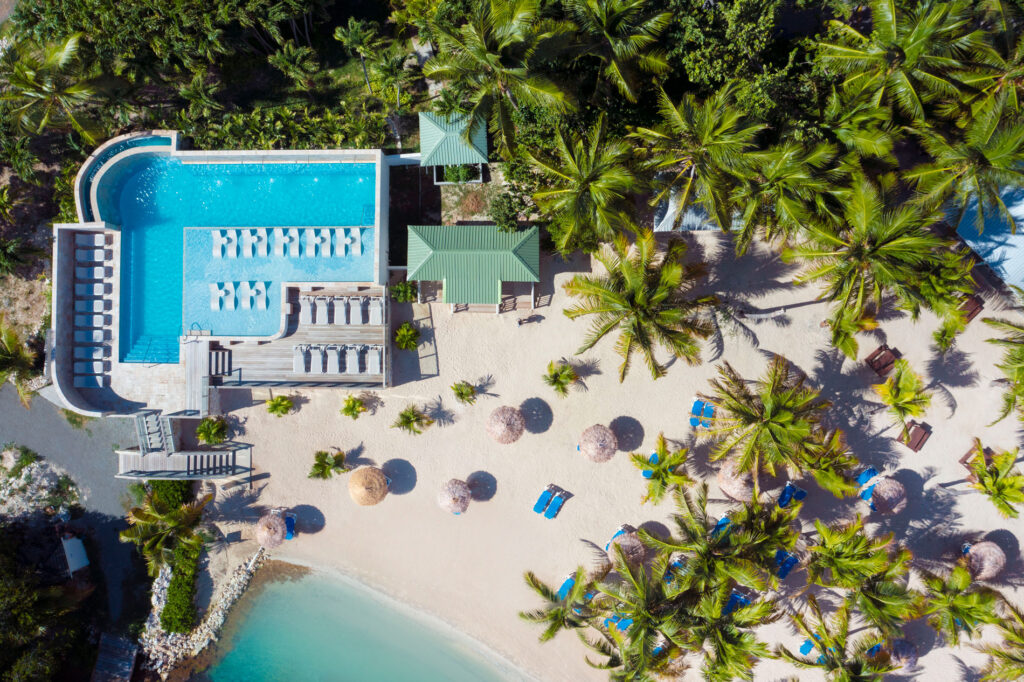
{"points": [[163, 651]]}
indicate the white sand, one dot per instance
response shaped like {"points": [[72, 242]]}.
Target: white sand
{"points": [[467, 569]]}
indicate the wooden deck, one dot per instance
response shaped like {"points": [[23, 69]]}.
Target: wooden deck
{"points": [[197, 375]]}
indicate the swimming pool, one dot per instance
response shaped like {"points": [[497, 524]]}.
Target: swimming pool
{"points": [[166, 269]]}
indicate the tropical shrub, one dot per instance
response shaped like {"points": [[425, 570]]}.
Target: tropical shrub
{"points": [[404, 292], [172, 493], [904, 393], [461, 173], [504, 211], [212, 430], [17, 361], [157, 529], [665, 475], [179, 612], [998, 480], [280, 405], [353, 407], [560, 376], [465, 392], [412, 420], [326, 465], [407, 337]]}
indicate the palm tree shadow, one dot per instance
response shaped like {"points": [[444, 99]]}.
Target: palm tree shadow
{"points": [[952, 368], [238, 504], [484, 385], [354, 457], [371, 401], [929, 514], [441, 415]]}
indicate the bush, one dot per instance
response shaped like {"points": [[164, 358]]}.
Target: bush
{"points": [[463, 173], [280, 406], [25, 457], [172, 493], [179, 614], [505, 211], [407, 337], [353, 407], [212, 431], [404, 292]]}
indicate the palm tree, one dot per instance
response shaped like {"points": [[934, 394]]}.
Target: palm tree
{"points": [[844, 556], [761, 530], [407, 337], [6, 209], [884, 600], [623, 35], [702, 146], [862, 128], [465, 392], [488, 59], [571, 612], [834, 654], [645, 300], [298, 63], [326, 464], [1000, 83], [47, 87], [908, 60], [1006, 660], [157, 529], [359, 37], [560, 376], [829, 461], [904, 392], [953, 605], [17, 361], [972, 168], [766, 425], [412, 420], [1012, 365], [353, 406], [389, 69], [999, 480], [590, 181], [666, 474], [212, 430], [13, 252], [280, 405]]}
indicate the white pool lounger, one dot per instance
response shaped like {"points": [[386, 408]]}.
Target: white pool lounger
{"points": [[89, 273], [245, 295], [309, 236], [91, 305], [90, 352], [354, 241], [90, 239], [333, 360], [305, 310], [351, 360], [90, 255], [355, 310], [316, 360], [373, 360], [262, 242], [376, 311], [299, 359], [321, 310], [83, 336], [96, 367], [90, 381], [97, 289], [229, 295], [259, 292], [340, 311], [92, 321], [248, 240]]}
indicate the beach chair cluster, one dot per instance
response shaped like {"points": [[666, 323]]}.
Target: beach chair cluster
{"points": [[239, 295], [550, 501], [882, 360], [326, 359], [92, 318], [701, 413], [863, 479], [341, 310], [287, 242]]}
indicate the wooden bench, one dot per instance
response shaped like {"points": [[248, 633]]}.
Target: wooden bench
{"points": [[882, 360], [917, 436]]}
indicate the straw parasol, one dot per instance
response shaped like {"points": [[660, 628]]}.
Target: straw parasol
{"points": [[903, 653], [739, 486], [985, 560], [506, 424], [632, 548], [270, 530], [598, 443], [367, 485], [454, 496], [889, 495]]}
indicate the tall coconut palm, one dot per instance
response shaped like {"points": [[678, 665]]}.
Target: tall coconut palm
{"points": [[829, 461], [998, 480], [570, 612], [1012, 365], [623, 35], [761, 530], [645, 299], [666, 474], [839, 658], [16, 360], [863, 129], [389, 69], [298, 63], [156, 529], [910, 58], [766, 425], [972, 168], [884, 600], [359, 37], [702, 147], [1006, 659], [489, 59], [47, 87], [954, 605], [589, 182], [904, 393], [844, 556], [999, 85]]}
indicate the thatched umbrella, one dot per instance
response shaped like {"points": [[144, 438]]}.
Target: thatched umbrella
{"points": [[270, 530], [506, 424], [985, 560], [889, 496], [454, 496], [598, 443], [631, 545], [903, 653], [367, 485], [735, 484]]}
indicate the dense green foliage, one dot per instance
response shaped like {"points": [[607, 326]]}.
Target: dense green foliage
{"points": [[326, 464], [159, 528], [171, 493], [179, 613], [212, 430], [404, 292], [280, 405], [407, 337]]}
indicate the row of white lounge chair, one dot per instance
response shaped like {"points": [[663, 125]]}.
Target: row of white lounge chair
{"points": [[246, 295], [327, 359], [318, 241], [92, 318], [342, 310]]}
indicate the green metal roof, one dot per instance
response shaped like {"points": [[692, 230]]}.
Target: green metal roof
{"points": [[443, 142], [472, 260]]}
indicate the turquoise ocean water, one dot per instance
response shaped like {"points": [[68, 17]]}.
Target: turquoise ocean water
{"points": [[321, 628]]}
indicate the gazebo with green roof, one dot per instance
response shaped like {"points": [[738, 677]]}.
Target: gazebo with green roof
{"points": [[472, 261], [443, 141]]}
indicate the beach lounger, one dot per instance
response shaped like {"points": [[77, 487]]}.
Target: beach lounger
{"points": [[721, 526], [696, 412], [93, 367], [866, 494], [90, 352], [320, 303], [90, 239], [807, 647], [305, 310], [556, 505], [736, 601], [874, 650], [340, 311], [91, 305], [352, 360], [789, 493], [90, 255], [333, 360], [96, 289], [89, 273], [88, 336], [309, 238], [917, 436], [673, 568], [709, 414], [866, 475], [653, 459], [566, 587], [316, 360], [229, 295], [248, 241], [259, 294], [355, 310], [354, 241], [217, 294], [544, 499], [90, 381], [882, 360], [621, 530], [262, 242], [785, 563], [289, 526], [376, 309], [299, 359], [92, 321], [373, 360], [971, 307]]}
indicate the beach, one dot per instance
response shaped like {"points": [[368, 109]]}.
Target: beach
{"points": [[467, 570]]}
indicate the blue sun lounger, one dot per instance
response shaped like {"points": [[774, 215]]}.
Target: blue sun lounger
{"points": [[566, 587], [721, 526], [289, 527], [653, 459], [673, 568], [556, 505], [709, 414], [790, 493], [620, 531], [544, 499], [696, 411], [866, 496], [808, 646], [874, 650], [866, 475], [736, 600], [785, 561], [618, 621]]}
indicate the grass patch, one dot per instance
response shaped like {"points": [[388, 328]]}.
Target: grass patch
{"points": [[25, 457], [77, 421]]}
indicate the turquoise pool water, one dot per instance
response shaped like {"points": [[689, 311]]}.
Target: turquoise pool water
{"points": [[154, 198], [322, 628]]}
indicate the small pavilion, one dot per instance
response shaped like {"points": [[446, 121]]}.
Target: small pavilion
{"points": [[443, 141], [473, 261]]}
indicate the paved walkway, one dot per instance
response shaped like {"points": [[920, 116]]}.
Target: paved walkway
{"points": [[88, 456]]}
